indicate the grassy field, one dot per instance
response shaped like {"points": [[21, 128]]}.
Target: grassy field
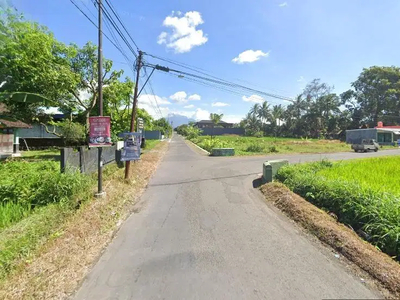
{"points": [[270, 145], [363, 193], [49, 154]]}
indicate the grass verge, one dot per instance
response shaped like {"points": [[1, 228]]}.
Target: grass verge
{"points": [[270, 145], [341, 238], [71, 242]]}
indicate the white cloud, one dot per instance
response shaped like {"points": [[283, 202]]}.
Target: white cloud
{"points": [[283, 4], [189, 106], [182, 97], [201, 114], [301, 79], [232, 118], [249, 56], [253, 99], [152, 99], [179, 97], [184, 34], [219, 104], [194, 97]]}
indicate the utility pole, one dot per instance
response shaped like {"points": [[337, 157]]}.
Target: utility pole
{"points": [[135, 98], [100, 192]]}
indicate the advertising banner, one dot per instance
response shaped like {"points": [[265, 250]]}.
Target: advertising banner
{"points": [[131, 150], [100, 133]]}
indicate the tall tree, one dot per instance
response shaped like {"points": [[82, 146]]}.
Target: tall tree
{"points": [[377, 92], [83, 93], [33, 61]]}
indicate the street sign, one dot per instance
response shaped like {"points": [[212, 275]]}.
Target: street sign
{"points": [[100, 133], [140, 123], [131, 149]]}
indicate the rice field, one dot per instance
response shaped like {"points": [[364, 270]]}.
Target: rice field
{"points": [[364, 194]]}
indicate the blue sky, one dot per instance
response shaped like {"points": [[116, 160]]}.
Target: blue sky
{"points": [[296, 41]]}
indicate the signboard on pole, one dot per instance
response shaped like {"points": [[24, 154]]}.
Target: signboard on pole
{"points": [[100, 133], [131, 150]]}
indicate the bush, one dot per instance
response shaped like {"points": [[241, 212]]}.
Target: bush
{"points": [[375, 212], [258, 134], [209, 144], [273, 149], [27, 185], [255, 148]]}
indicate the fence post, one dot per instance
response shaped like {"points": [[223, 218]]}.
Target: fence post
{"points": [[65, 152], [81, 159]]}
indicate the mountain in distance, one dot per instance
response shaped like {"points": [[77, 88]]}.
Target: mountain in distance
{"points": [[178, 120]]}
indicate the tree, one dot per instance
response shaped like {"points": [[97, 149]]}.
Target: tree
{"points": [[163, 125], [252, 124], [377, 93], [32, 61], [216, 119], [255, 109]]}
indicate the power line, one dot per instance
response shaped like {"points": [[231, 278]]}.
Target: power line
{"points": [[198, 70], [113, 24], [91, 21], [119, 20]]}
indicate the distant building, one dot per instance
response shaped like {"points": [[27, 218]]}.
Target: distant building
{"points": [[9, 138], [210, 124], [384, 135]]}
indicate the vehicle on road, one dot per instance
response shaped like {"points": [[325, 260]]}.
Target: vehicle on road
{"points": [[366, 145]]}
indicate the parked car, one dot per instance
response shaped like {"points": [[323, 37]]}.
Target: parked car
{"points": [[366, 145]]}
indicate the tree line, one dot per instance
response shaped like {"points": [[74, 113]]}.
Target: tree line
{"points": [[32, 60], [318, 112]]}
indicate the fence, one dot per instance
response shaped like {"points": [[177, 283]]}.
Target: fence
{"points": [[152, 134], [86, 159], [222, 131]]}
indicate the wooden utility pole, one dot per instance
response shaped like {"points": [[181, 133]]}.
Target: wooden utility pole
{"points": [[100, 192], [135, 98]]}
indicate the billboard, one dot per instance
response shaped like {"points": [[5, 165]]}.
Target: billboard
{"points": [[131, 150], [100, 133]]}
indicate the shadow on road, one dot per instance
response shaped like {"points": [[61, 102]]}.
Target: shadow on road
{"points": [[202, 179]]}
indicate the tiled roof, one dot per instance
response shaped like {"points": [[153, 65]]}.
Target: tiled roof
{"points": [[13, 123]]}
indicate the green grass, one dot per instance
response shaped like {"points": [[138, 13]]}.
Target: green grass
{"points": [[27, 185], [363, 193], [49, 154], [150, 144], [380, 174], [271, 145]]}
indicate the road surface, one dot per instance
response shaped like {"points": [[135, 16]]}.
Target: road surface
{"points": [[203, 232]]}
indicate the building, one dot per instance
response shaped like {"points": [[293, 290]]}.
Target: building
{"points": [[209, 124], [384, 135], [9, 137]]}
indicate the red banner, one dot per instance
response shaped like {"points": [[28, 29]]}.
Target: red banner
{"points": [[100, 133]]}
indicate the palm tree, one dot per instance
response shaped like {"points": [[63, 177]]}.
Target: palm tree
{"points": [[255, 109], [252, 123], [277, 113], [216, 119], [264, 112]]}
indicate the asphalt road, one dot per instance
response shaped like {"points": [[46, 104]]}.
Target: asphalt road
{"points": [[203, 232]]}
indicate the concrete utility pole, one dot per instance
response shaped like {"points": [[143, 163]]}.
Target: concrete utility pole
{"points": [[135, 98], [100, 192]]}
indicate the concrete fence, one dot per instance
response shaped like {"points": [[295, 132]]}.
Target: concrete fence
{"points": [[222, 131], [85, 160]]}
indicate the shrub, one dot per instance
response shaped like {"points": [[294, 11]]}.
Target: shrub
{"points": [[374, 212], [258, 134], [272, 149], [209, 144], [27, 185], [255, 148]]}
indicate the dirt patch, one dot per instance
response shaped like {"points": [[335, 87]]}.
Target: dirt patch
{"points": [[377, 264], [64, 261]]}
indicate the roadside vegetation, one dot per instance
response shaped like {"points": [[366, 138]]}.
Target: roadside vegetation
{"points": [[362, 194]]}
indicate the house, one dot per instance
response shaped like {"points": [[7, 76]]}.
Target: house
{"points": [[9, 137], [210, 124], [384, 135]]}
